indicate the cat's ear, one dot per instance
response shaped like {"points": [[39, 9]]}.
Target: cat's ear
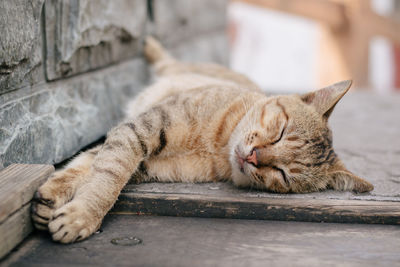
{"points": [[344, 180], [325, 99]]}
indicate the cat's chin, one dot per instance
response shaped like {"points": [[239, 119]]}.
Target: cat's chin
{"points": [[239, 178]]}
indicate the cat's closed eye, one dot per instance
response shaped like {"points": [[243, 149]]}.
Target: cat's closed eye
{"points": [[282, 172], [280, 137]]}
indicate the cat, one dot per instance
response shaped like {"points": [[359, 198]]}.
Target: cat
{"points": [[199, 123]]}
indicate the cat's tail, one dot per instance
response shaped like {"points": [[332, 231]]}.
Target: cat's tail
{"points": [[155, 52]]}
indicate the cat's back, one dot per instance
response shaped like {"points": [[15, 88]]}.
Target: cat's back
{"points": [[192, 78]]}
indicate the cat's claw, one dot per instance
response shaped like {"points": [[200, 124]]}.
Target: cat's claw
{"points": [[38, 198], [43, 207], [72, 223]]}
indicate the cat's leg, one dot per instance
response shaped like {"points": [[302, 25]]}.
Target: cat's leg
{"points": [[61, 187], [126, 146]]}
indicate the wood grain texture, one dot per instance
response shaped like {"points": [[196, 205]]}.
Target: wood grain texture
{"points": [[18, 183], [261, 208], [174, 241], [15, 229]]}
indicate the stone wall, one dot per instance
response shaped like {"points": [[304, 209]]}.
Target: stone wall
{"points": [[67, 67]]}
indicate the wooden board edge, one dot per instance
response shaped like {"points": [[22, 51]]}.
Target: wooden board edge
{"points": [[12, 201], [15, 229], [306, 210]]}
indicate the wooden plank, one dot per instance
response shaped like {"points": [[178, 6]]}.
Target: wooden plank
{"points": [[18, 183], [240, 207], [14, 229], [174, 241], [327, 12]]}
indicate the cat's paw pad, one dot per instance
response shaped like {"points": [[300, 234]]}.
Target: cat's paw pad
{"points": [[72, 222]]}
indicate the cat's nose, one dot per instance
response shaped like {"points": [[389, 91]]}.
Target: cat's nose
{"points": [[252, 158]]}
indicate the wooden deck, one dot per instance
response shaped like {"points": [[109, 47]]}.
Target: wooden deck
{"points": [[173, 241], [221, 200]]}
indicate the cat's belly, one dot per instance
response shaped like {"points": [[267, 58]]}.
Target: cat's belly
{"points": [[194, 168]]}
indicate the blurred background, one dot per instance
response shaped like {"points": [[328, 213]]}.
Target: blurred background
{"points": [[295, 45]]}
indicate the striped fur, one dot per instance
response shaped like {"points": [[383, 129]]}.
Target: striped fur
{"points": [[199, 123]]}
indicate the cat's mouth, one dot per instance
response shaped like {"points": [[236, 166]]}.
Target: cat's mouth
{"points": [[240, 161]]}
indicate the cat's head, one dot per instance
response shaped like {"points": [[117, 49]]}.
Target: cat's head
{"points": [[283, 144]]}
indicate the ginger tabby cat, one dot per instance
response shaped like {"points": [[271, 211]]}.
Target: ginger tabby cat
{"points": [[199, 123]]}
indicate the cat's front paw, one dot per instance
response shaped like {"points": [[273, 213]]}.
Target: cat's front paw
{"points": [[73, 222], [46, 201], [57, 191]]}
